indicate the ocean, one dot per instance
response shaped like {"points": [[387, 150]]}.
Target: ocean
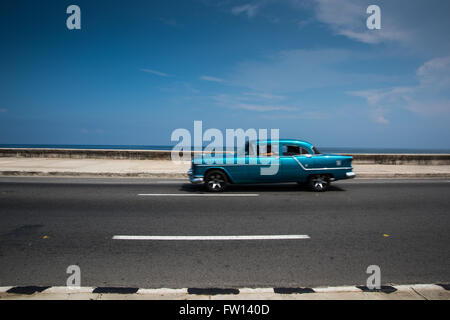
{"points": [[351, 150]]}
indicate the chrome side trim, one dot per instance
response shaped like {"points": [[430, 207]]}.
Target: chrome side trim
{"points": [[236, 164], [312, 169], [276, 164]]}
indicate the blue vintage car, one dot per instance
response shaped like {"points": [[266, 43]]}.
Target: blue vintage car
{"points": [[283, 160]]}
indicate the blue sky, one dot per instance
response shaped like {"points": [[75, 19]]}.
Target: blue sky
{"points": [[137, 70]]}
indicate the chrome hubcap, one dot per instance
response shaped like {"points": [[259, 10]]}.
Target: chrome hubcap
{"points": [[320, 182], [216, 182]]}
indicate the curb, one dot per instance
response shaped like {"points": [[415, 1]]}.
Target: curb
{"points": [[386, 289], [185, 176], [93, 174], [401, 175]]}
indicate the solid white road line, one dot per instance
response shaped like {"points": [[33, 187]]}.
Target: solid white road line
{"points": [[256, 290], [213, 238], [198, 195], [69, 290], [337, 289], [163, 291]]}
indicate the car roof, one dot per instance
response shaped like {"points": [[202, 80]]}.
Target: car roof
{"points": [[285, 141]]}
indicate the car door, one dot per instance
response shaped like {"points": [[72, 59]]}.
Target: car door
{"points": [[264, 167], [295, 162]]}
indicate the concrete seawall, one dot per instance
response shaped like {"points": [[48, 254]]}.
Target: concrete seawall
{"points": [[394, 159]]}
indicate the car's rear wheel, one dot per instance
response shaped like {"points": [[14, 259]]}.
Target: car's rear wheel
{"points": [[216, 181], [319, 182]]}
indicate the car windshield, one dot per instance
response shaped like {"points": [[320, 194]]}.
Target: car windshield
{"points": [[316, 151]]}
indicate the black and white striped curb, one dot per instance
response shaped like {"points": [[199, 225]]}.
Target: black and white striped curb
{"points": [[387, 289]]}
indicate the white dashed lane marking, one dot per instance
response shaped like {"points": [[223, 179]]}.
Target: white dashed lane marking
{"points": [[198, 195], [213, 238]]}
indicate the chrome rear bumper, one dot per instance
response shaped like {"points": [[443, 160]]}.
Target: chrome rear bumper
{"points": [[350, 175]]}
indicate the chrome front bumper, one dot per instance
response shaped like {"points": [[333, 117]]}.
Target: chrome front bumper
{"points": [[350, 175], [196, 180], [193, 179]]}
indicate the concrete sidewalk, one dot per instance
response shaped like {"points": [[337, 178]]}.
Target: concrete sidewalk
{"points": [[10, 166]]}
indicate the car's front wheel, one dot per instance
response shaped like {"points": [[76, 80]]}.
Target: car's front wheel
{"points": [[216, 181], [319, 183]]}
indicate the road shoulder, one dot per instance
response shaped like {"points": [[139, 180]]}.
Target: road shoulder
{"points": [[396, 292]]}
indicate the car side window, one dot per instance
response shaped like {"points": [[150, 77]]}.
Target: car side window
{"points": [[291, 150], [294, 151], [305, 151]]}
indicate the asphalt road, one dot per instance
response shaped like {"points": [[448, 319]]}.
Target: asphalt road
{"points": [[48, 224]]}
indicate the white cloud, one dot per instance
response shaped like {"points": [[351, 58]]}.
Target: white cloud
{"points": [[299, 70], [249, 9], [428, 98], [435, 72], [251, 103], [307, 115], [158, 73], [264, 96], [212, 79], [416, 24], [379, 117], [262, 108], [431, 107], [3, 110], [348, 18], [376, 96]]}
